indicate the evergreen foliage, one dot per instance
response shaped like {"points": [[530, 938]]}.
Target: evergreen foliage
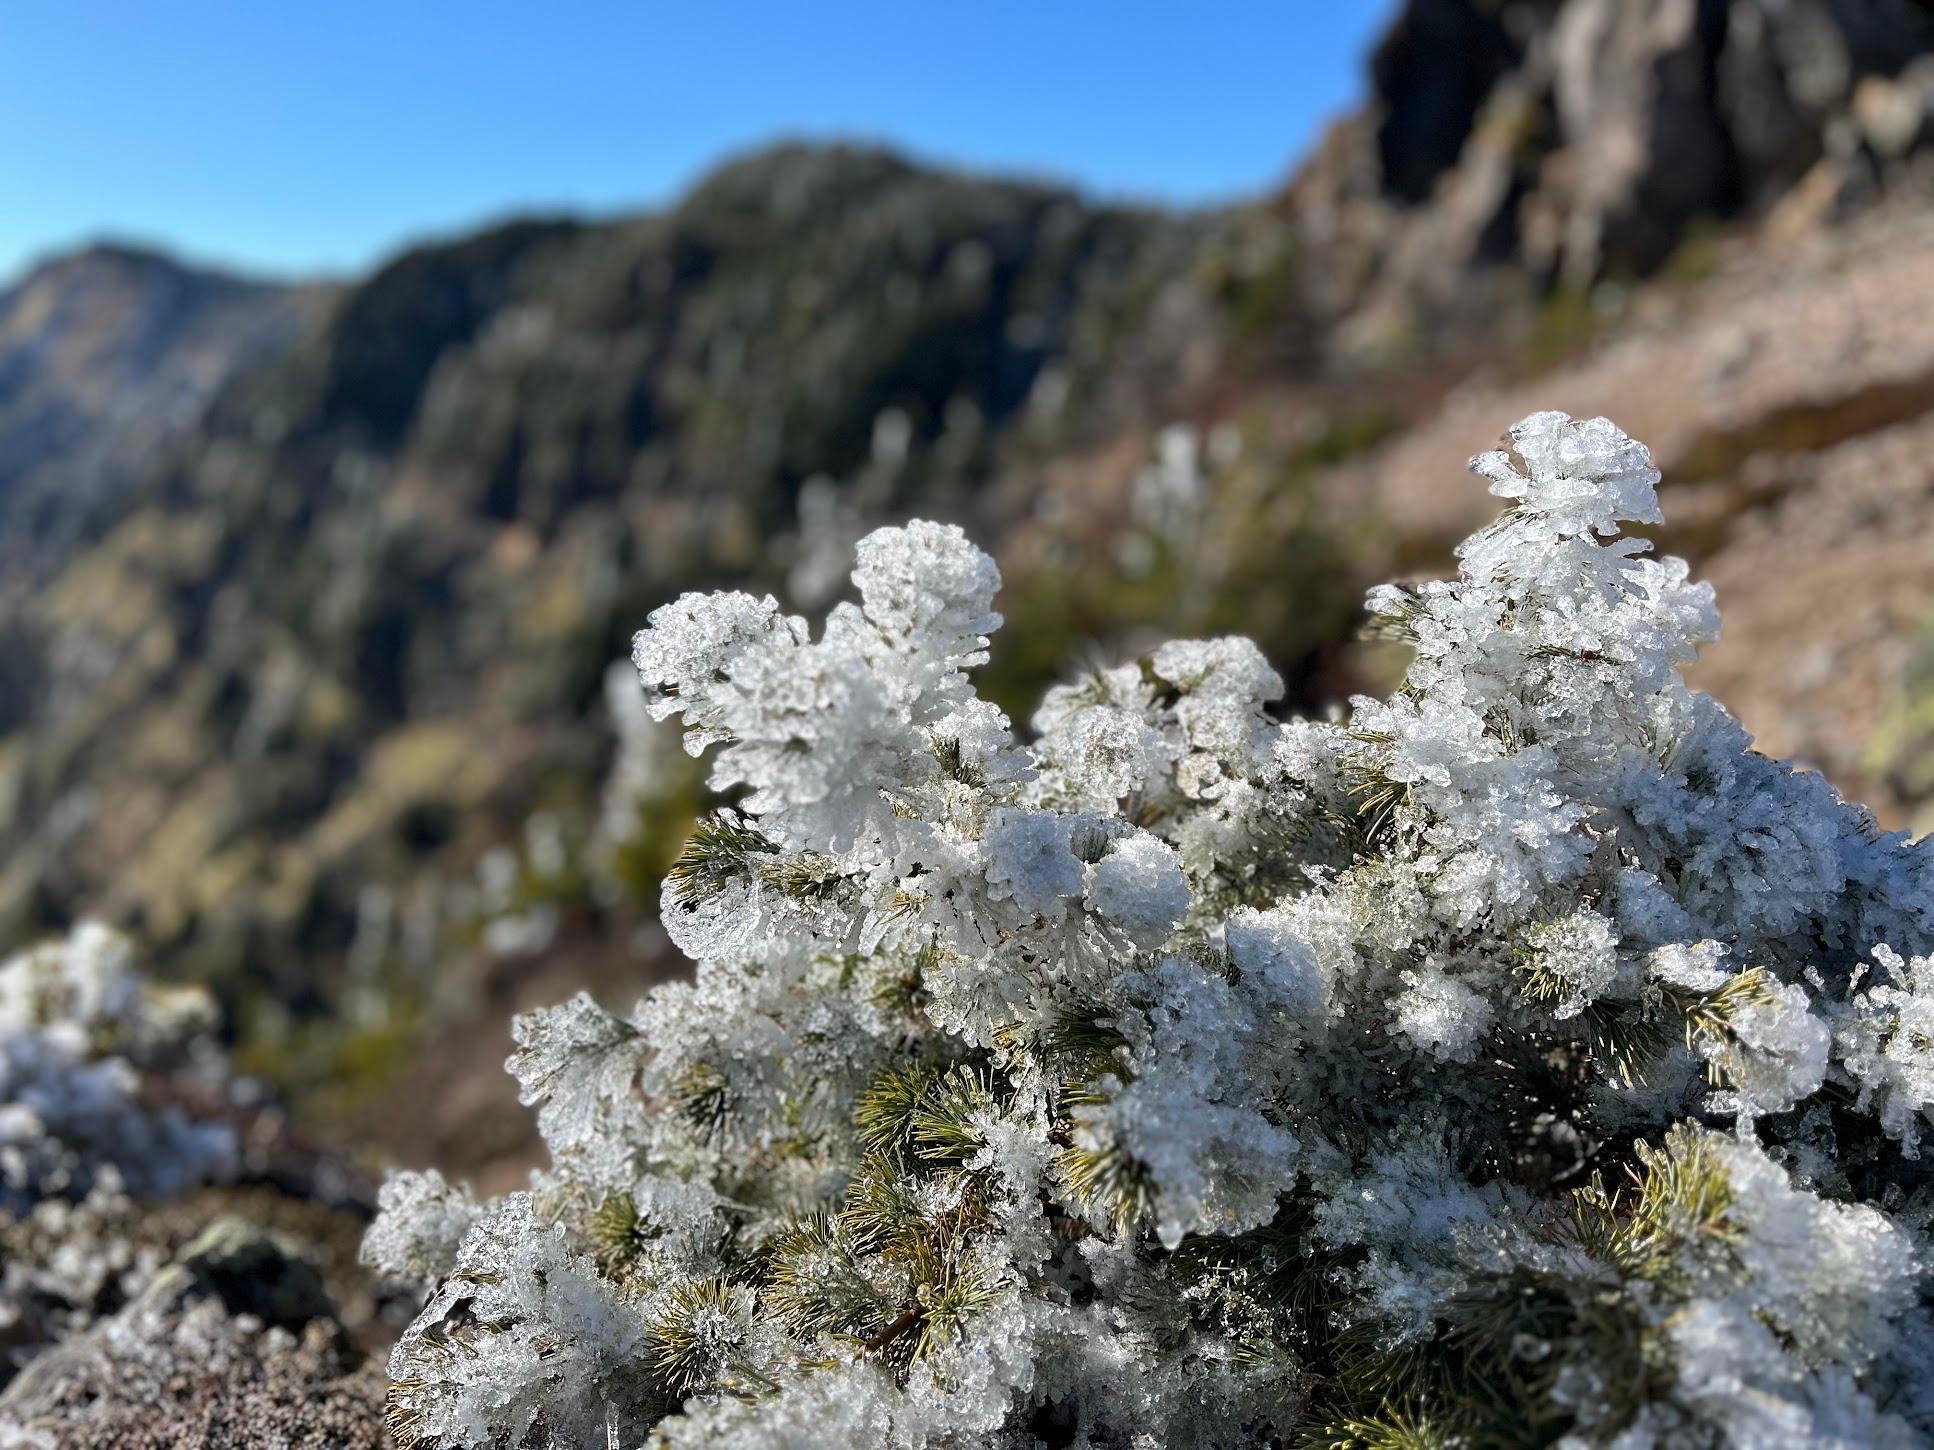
{"points": [[1521, 1060]]}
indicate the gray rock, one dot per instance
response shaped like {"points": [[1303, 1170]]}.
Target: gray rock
{"points": [[233, 1343]]}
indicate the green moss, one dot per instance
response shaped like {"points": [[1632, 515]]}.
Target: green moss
{"points": [[328, 1068], [1261, 300], [1565, 325], [1901, 749], [1698, 256], [1345, 435], [1055, 610]]}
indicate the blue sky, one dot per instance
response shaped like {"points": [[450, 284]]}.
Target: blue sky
{"points": [[289, 136]]}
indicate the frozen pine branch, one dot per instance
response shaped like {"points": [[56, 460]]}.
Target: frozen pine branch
{"points": [[1521, 1060]]}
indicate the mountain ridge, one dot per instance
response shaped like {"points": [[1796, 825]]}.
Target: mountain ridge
{"points": [[106, 353]]}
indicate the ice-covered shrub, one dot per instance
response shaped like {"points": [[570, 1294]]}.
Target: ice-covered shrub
{"points": [[84, 1043], [1520, 1058]]}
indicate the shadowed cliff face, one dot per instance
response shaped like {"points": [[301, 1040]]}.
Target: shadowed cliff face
{"points": [[310, 591]]}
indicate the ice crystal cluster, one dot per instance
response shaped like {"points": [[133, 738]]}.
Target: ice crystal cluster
{"points": [[83, 1041], [1517, 1060]]}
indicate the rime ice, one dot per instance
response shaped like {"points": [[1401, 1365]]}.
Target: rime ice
{"points": [[1519, 1060], [79, 1031]]}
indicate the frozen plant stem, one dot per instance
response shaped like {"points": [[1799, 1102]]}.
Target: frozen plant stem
{"points": [[1522, 1060]]}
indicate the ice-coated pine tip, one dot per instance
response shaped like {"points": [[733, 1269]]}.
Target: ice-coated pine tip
{"points": [[1580, 475], [929, 578]]}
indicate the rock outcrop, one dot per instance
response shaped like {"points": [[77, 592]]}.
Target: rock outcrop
{"points": [[1568, 142], [233, 1343]]}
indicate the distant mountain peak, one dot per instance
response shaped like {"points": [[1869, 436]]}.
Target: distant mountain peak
{"points": [[106, 353]]}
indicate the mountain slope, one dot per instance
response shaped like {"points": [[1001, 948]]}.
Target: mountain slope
{"points": [[353, 623], [105, 356]]}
